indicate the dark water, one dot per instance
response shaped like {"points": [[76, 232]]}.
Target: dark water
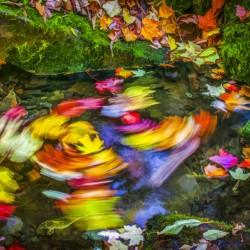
{"points": [[179, 92]]}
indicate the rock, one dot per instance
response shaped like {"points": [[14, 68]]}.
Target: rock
{"points": [[46, 105], [52, 49]]}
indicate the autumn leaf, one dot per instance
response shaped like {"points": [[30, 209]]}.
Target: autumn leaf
{"points": [[105, 22], [214, 234], [217, 73], [168, 25], [165, 11], [242, 13], [112, 8], [126, 16], [151, 29], [2, 61], [213, 171], [128, 34], [40, 8], [172, 43], [208, 22], [89, 146], [123, 73], [224, 159]]}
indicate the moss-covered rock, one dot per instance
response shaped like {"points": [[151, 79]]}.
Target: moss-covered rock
{"points": [[236, 42], [65, 43]]}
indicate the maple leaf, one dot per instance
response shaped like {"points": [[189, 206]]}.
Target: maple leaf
{"points": [[105, 22], [209, 20], [151, 29], [133, 234], [128, 34], [89, 146], [112, 8], [238, 174], [123, 73], [165, 11]]}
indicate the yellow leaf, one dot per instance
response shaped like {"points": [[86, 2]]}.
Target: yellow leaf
{"points": [[165, 11], [151, 29], [105, 22], [172, 43], [128, 34], [127, 18], [89, 146], [213, 32], [168, 25]]}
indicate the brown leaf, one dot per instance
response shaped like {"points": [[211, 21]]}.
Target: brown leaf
{"points": [[238, 227], [187, 18]]}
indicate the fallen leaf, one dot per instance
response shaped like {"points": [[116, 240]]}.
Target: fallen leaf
{"points": [[133, 234], [165, 11], [213, 171], [127, 17], [214, 234], [105, 22], [218, 73], [242, 13], [224, 159], [40, 8], [128, 34], [238, 174], [112, 8], [172, 43], [151, 29], [178, 226], [238, 227], [138, 73]]}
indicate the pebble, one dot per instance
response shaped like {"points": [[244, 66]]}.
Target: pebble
{"points": [[46, 105]]}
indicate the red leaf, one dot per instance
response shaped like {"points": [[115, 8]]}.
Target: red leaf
{"points": [[209, 21]]}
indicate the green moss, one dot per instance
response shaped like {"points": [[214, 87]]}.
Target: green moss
{"points": [[186, 236], [236, 43], [66, 43], [245, 132]]}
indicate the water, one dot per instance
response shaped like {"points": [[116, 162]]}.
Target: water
{"points": [[179, 92]]}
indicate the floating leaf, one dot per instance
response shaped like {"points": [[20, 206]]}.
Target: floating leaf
{"points": [[178, 226], [138, 73], [238, 174], [214, 234], [88, 146], [133, 234], [123, 73], [214, 172], [224, 159]]}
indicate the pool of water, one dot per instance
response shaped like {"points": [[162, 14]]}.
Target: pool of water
{"points": [[179, 91]]}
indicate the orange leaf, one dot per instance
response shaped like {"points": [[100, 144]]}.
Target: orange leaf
{"points": [[40, 8], [217, 73], [165, 11], [213, 171], [105, 22], [128, 34], [208, 22], [151, 29], [2, 61], [123, 73]]}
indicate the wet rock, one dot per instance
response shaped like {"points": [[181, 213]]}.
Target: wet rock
{"points": [[46, 105]]}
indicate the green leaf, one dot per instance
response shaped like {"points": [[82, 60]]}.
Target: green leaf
{"points": [[178, 225], [208, 52], [138, 73], [238, 174], [172, 43], [214, 234]]}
